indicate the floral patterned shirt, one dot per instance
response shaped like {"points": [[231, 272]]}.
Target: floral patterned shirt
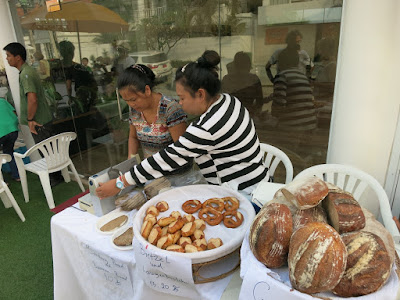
{"points": [[154, 137]]}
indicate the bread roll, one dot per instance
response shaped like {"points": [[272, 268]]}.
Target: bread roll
{"points": [[270, 235], [304, 216], [368, 265], [344, 212], [317, 258]]}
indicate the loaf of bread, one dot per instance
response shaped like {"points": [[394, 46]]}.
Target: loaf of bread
{"points": [[317, 258], [114, 223], [124, 239], [374, 226], [304, 216], [270, 235], [344, 212], [303, 193], [368, 265]]}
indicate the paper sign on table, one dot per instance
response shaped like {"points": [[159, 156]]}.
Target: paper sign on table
{"points": [[165, 272], [107, 271]]}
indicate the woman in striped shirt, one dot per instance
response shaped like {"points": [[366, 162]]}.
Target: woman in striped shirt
{"points": [[223, 141]]}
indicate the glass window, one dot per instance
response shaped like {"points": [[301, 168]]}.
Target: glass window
{"points": [[278, 57]]}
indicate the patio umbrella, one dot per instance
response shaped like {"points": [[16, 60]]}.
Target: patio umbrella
{"points": [[75, 17]]}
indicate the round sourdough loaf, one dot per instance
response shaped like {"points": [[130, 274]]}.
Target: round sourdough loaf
{"points": [[374, 226], [317, 258], [304, 192], [368, 265], [304, 216], [345, 213], [270, 235]]}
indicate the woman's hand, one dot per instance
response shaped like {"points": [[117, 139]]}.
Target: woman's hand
{"points": [[107, 189]]}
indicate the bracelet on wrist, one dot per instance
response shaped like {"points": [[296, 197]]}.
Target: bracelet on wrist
{"points": [[31, 120]]}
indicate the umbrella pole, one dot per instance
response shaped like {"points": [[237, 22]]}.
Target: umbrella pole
{"points": [[79, 42]]}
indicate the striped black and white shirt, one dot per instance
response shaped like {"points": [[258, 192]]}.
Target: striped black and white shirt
{"points": [[223, 142], [299, 112]]}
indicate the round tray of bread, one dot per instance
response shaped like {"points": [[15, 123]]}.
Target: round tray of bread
{"points": [[196, 239], [319, 238]]}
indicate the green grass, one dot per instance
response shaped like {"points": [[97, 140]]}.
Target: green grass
{"points": [[26, 267]]}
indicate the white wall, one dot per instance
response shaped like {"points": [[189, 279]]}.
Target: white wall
{"points": [[366, 103]]}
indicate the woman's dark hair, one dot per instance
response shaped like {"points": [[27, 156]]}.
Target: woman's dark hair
{"points": [[136, 77], [201, 74]]}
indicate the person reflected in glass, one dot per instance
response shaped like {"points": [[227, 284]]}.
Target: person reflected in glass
{"points": [[223, 141], [293, 104], [293, 40], [44, 71], [85, 63], [239, 82], [85, 84], [324, 72], [155, 120]]}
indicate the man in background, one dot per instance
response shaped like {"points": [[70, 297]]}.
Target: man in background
{"points": [[34, 109], [293, 40]]}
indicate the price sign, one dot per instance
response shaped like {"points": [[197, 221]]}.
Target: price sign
{"points": [[164, 272]]}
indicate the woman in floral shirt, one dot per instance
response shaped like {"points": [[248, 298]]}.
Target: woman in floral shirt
{"points": [[155, 120]]}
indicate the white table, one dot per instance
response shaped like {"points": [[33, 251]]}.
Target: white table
{"points": [[87, 266]]}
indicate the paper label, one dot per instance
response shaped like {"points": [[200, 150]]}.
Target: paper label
{"points": [[107, 271], [164, 272]]}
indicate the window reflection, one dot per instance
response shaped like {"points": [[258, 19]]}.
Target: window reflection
{"points": [[165, 35]]}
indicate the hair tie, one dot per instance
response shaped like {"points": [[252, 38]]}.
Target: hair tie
{"points": [[139, 68], [183, 68]]}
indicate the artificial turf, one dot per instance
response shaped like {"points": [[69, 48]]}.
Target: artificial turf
{"points": [[26, 266]]}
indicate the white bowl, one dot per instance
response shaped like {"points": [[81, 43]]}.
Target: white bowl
{"points": [[231, 237]]}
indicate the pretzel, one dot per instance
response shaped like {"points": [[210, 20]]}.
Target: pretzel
{"points": [[214, 243], [153, 211], [162, 206], [175, 248], [215, 203], [154, 235], [191, 206], [176, 225], [231, 203], [211, 216], [188, 218], [165, 221], [146, 228], [233, 219], [188, 229]]}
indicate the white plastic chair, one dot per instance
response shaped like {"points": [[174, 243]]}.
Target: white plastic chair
{"points": [[272, 157], [55, 152], [5, 193], [355, 182]]}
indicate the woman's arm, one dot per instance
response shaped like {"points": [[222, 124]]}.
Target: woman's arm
{"points": [[177, 130], [133, 142]]}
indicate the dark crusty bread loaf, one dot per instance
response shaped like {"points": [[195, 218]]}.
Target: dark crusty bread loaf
{"points": [[368, 265], [304, 216], [270, 235], [317, 258], [344, 212], [304, 192]]}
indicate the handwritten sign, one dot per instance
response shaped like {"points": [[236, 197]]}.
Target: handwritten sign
{"points": [[107, 271], [164, 272]]}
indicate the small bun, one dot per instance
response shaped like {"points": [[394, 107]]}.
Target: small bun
{"points": [[209, 59]]}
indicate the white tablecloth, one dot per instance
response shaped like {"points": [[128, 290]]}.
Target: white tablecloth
{"points": [[87, 266]]}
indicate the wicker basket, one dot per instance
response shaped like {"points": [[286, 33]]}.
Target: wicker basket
{"points": [[233, 259]]}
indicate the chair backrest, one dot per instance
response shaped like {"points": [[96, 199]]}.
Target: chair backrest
{"points": [[272, 157], [55, 149], [355, 182], [4, 158]]}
